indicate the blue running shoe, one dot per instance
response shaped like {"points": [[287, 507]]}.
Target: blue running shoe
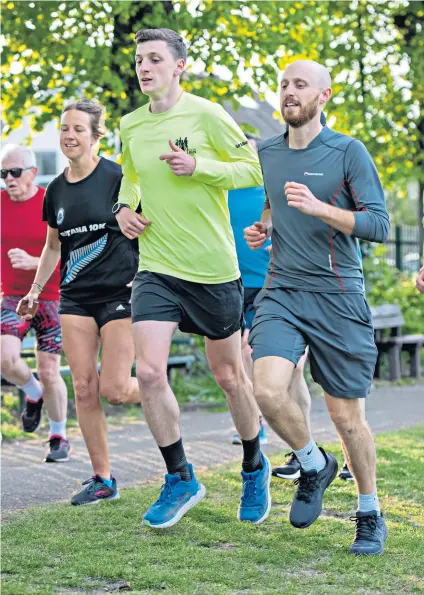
{"points": [[262, 437], [255, 502], [175, 499]]}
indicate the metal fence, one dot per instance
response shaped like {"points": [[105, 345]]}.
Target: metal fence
{"points": [[403, 248]]}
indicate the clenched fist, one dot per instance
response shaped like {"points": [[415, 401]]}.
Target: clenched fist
{"points": [[22, 260], [130, 223], [300, 197], [256, 234]]}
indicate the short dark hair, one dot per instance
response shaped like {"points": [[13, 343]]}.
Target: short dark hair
{"points": [[174, 41], [95, 110]]}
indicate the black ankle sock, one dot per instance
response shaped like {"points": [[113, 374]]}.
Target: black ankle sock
{"points": [[175, 459], [252, 460]]}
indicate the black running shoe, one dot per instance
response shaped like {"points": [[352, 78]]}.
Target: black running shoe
{"points": [[371, 533], [307, 503], [60, 450], [290, 469], [31, 415], [345, 473], [95, 492]]}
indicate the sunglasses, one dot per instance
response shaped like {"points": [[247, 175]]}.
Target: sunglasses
{"points": [[15, 172]]}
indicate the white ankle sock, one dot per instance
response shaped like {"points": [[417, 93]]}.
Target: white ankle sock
{"points": [[57, 428], [311, 457], [368, 502], [33, 389]]}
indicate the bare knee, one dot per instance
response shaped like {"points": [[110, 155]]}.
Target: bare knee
{"points": [[229, 379], [346, 423], [8, 363], [151, 377], [49, 377], [270, 400], [86, 392], [113, 392]]}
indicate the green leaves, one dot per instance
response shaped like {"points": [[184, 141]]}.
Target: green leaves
{"points": [[54, 51]]}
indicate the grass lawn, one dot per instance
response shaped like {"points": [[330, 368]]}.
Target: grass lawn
{"points": [[98, 549]]}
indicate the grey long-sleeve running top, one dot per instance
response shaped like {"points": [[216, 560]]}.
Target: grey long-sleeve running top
{"points": [[308, 254]]}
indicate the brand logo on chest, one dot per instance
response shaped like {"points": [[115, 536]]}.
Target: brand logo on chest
{"points": [[182, 143]]}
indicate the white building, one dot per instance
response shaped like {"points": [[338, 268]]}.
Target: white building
{"points": [[45, 144]]}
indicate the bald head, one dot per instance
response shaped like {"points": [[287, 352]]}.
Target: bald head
{"points": [[315, 74]]}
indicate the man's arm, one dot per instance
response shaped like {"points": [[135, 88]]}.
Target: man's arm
{"points": [[371, 218], [340, 219], [20, 259], [257, 234], [129, 192], [239, 165], [266, 217]]}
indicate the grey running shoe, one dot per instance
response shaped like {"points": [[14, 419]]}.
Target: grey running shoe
{"points": [[95, 492], [307, 503], [60, 450], [371, 533]]}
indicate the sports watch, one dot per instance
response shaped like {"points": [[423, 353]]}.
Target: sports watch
{"points": [[118, 206]]}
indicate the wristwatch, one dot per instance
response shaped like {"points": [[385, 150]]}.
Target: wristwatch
{"points": [[118, 206]]}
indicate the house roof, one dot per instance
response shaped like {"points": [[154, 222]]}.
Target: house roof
{"points": [[260, 116]]}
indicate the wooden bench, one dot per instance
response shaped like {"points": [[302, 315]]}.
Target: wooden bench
{"points": [[175, 362], [388, 321]]}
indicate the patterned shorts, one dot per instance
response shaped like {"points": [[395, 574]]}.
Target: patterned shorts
{"points": [[46, 323]]}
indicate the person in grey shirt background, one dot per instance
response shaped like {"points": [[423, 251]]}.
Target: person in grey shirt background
{"points": [[323, 192]]}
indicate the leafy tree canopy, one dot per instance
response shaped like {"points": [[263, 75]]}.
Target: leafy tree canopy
{"points": [[54, 51]]}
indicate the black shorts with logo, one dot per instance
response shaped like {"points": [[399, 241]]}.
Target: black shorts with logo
{"points": [[112, 309], [210, 310]]}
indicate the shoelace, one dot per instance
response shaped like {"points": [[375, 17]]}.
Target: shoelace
{"points": [[365, 526], [165, 493], [249, 491], [92, 482], [307, 486]]}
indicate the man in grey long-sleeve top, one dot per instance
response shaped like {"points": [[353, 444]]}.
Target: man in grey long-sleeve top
{"points": [[323, 192]]}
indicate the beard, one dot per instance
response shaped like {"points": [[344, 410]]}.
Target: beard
{"points": [[305, 113]]}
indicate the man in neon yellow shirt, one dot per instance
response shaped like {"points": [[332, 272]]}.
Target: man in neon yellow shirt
{"points": [[181, 154]]}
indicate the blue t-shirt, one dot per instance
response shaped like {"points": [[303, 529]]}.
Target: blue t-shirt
{"points": [[246, 207]]}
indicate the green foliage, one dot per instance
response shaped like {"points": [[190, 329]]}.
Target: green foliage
{"points": [[387, 285], [54, 51], [10, 422]]}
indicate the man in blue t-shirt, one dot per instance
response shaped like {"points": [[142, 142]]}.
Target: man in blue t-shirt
{"points": [[246, 206]]}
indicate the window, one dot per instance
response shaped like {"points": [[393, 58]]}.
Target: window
{"points": [[46, 163]]}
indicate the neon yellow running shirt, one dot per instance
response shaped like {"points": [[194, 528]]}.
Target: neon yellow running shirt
{"points": [[190, 236]]}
